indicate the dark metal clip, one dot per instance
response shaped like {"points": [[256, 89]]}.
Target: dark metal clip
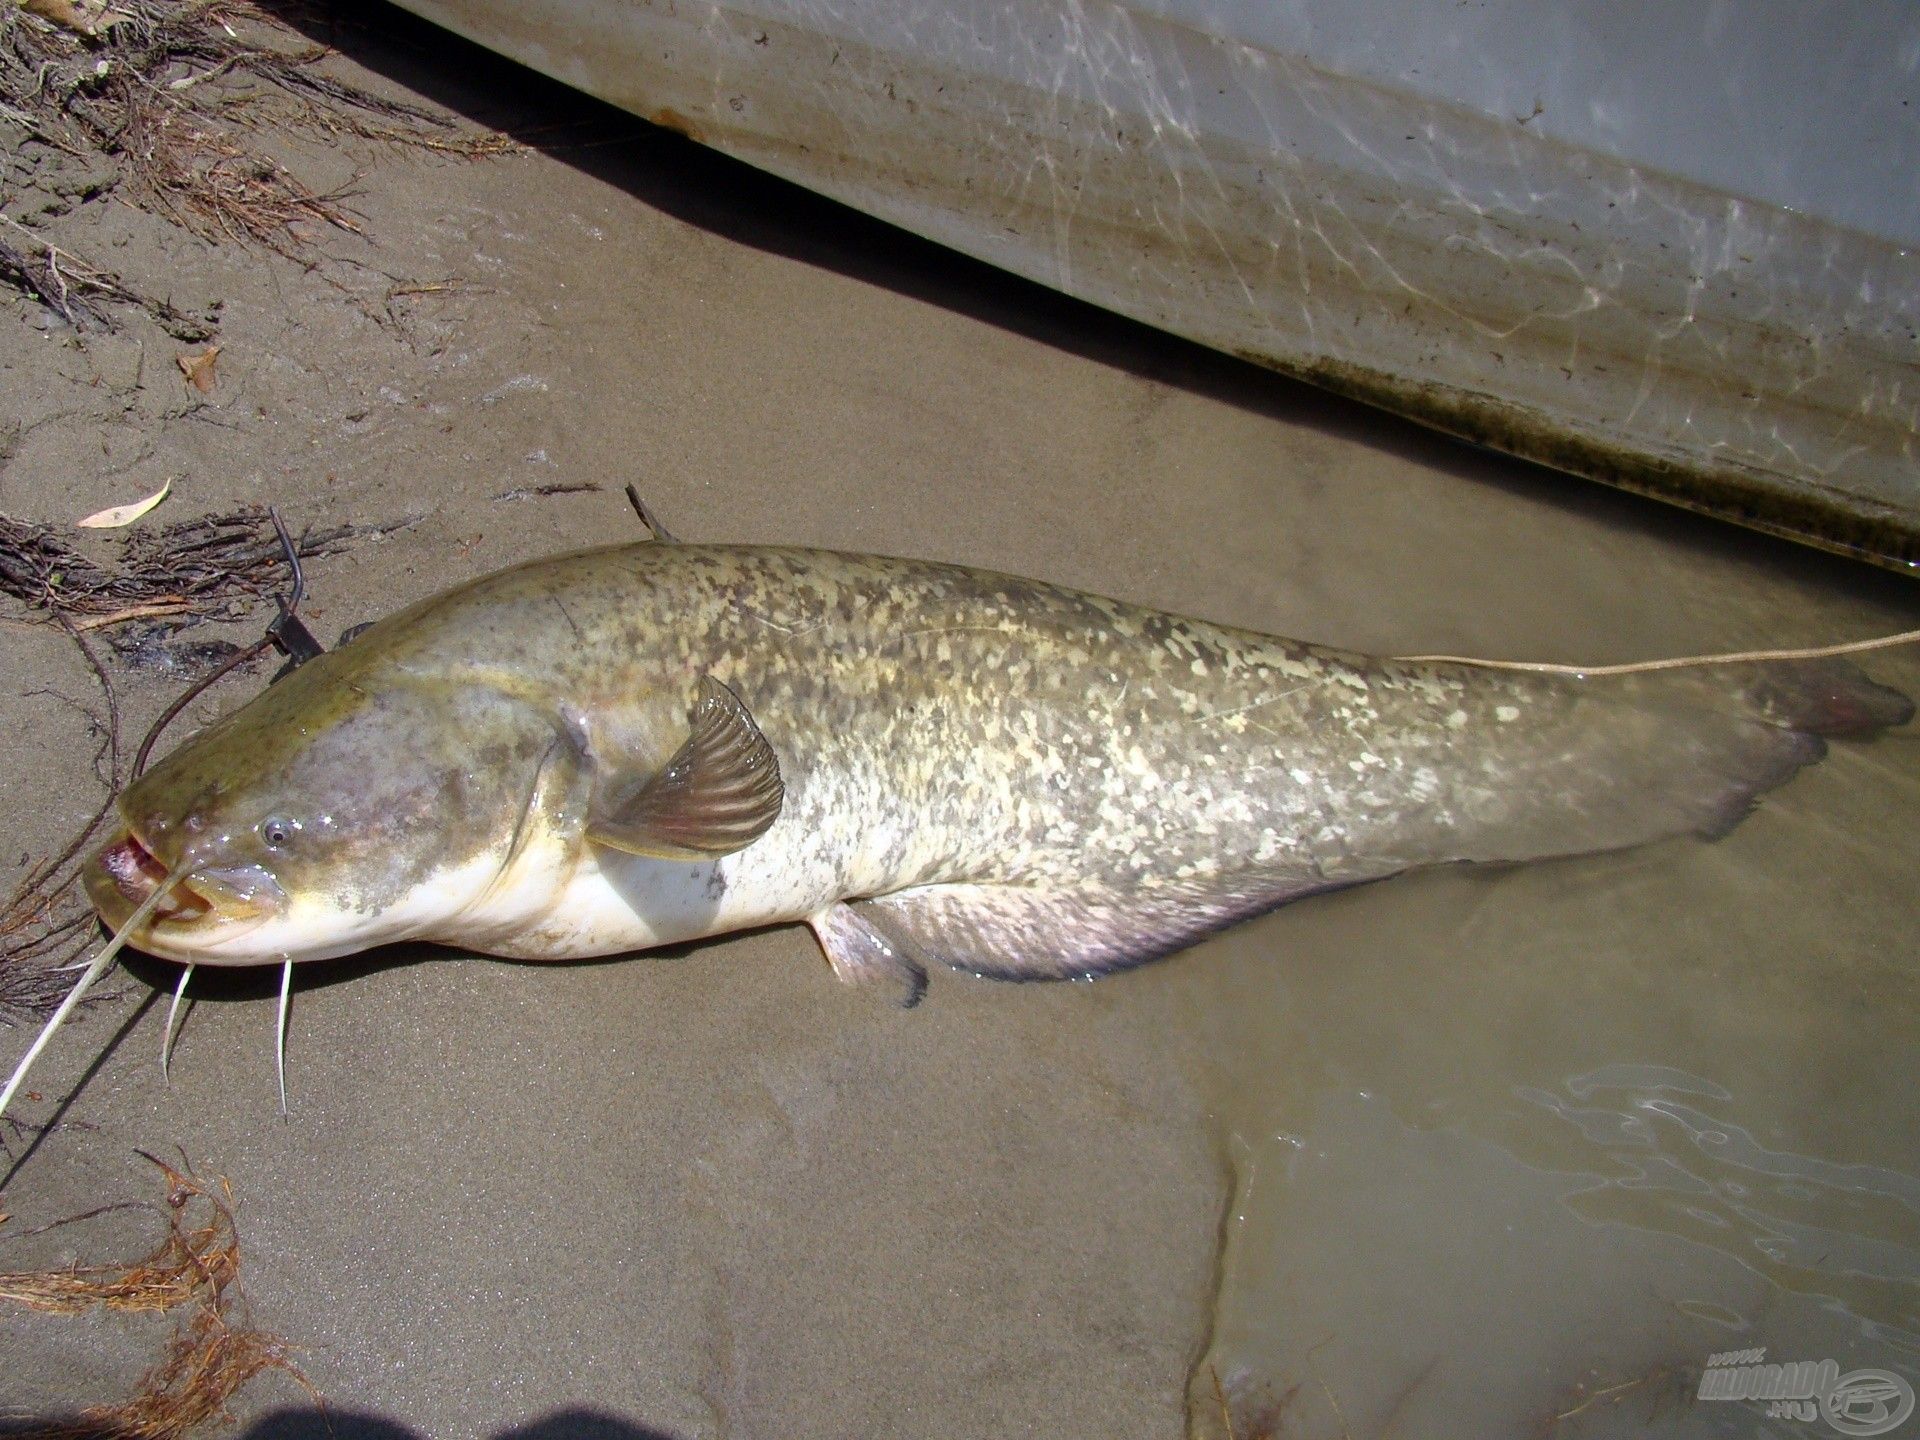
{"points": [[288, 631]]}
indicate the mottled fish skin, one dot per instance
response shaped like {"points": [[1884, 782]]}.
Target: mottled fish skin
{"points": [[1024, 780]]}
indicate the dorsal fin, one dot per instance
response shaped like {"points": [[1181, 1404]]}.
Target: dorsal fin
{"points": [[719, 793]]}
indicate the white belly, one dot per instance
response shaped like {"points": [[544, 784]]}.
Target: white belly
{"points": [[612, 903]]}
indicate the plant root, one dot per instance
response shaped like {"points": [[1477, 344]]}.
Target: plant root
{"points": [[213, 1353]]}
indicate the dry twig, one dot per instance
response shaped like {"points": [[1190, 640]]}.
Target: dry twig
{"points": [[45, 922], [1661, 1386], [77, 291]]}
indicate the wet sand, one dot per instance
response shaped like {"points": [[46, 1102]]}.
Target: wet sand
{"points": [[714, 1193]]}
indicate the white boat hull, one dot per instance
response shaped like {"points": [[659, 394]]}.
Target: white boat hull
{"points": [[1627, 242]]}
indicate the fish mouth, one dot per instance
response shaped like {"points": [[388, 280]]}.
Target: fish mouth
{"points": [[125, 872]]}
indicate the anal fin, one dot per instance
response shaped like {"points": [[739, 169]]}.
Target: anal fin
{"points": [[1070, 932]]}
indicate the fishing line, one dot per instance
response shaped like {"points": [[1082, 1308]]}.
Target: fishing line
{"points": [[287, 632], [1738, 657], [193, 692], [93, 973]]}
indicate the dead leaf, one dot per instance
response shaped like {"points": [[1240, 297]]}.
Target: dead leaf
{"points": [[90, 18], [60, 12], [115, 516], [199, 368]]}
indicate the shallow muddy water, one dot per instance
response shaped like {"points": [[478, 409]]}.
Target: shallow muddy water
{"points": [[1451, 1155], [1507, 1141]]}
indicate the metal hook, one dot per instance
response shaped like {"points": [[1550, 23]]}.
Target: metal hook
{"points": [[288, 631]]}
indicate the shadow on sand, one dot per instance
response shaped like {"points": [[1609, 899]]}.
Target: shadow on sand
{"points": [[310, 1422]]}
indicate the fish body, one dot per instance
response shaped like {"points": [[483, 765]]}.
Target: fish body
{"points": [[637, 746]]}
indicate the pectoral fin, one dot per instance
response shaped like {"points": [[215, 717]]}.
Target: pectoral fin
{"points": [[719, 793]]}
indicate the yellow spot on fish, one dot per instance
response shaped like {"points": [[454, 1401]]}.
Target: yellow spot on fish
{"points": [[1506, 713]]}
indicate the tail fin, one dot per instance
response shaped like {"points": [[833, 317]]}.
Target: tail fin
{"points": [[1825, 697], [1807, 702], [1757, 725], [1610, 761]]}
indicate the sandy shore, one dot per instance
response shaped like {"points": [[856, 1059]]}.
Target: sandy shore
{"points": [[713, 1193]]}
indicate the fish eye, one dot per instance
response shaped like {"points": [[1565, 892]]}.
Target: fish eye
{"points": [[277, 831]]}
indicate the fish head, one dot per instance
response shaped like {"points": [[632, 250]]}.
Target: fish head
{"points": [[344, 807]]}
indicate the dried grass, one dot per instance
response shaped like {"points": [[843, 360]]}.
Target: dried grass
{"points": [[175, 97], [197, 1259], [210, 568], [213, 1353], [45, 924]]}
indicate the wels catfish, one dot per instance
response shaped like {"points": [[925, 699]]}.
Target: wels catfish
{"points": [[929, 765]]}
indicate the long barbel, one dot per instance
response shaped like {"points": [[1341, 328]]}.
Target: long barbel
{"points": [[74, 996]]}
